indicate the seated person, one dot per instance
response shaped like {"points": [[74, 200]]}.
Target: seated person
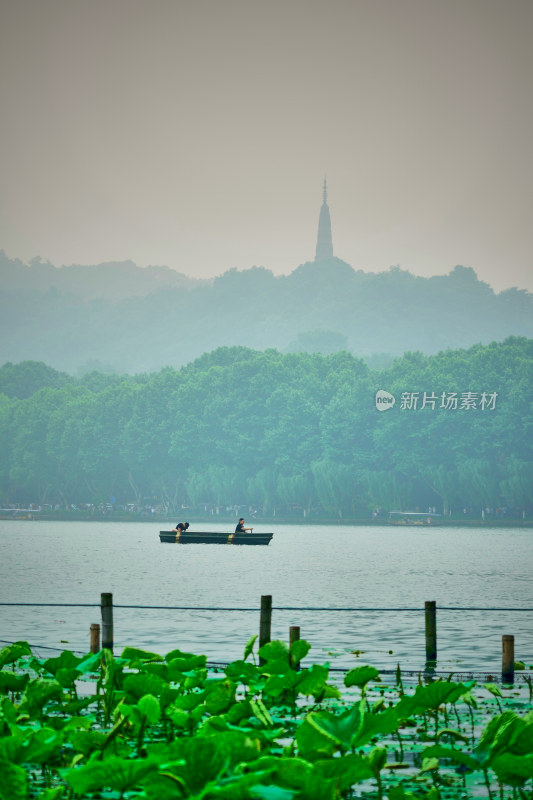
{"points": [[240, 527]]}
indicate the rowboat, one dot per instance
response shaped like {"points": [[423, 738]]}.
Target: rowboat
{"points": [[214, 537]]}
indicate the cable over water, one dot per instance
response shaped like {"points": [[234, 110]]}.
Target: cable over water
{"points": [[274, 608]]}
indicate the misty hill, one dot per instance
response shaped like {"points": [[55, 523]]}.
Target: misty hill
{"points": [[320, 307], [112, 281]]}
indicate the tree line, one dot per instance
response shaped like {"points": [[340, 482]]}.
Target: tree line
{"points": [[278, 432]]}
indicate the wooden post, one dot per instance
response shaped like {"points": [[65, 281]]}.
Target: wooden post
{"points": [[95, 637], [294, 636], [265, 621], [431, 631], [507, 659], [106, 605]]}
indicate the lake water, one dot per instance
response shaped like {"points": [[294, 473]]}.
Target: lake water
{"points": [[304, 566]]}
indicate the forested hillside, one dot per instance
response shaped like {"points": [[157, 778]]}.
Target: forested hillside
{"points": [[278, 432], [124, 319]]}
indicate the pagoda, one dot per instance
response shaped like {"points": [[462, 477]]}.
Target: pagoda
{"points": [[324, 244]]}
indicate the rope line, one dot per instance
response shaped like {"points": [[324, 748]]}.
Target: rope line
{"points": [[255, 609], [483, 675]]}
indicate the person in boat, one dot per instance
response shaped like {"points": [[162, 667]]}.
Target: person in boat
{"points": [[240, 527], [181, 527]]}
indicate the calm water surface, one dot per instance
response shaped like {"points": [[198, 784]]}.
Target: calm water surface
{"points": [[304, 566]]}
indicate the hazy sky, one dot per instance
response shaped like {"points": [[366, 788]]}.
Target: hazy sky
{"points": [[197, 133]]}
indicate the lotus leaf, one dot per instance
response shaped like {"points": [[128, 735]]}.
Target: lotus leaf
{"points": [[90, 663], [298, 650], [497, 735], [248, 650], [522, 741], [38, 692], [322, 732], [260, 712], [13, 782], [178, 717], [273, 651], [360, 676], [276, 666], [432, 696], [67, 660], [87, 742], [77, 723], [11, 746], [269, 792], [312, 682], [67, 677], [11, 682], [132, 654], [344, 771], [149, 707], [113, 773], [372, 725], [220, 697], [276, 685], [186, 665], [512, 769], [12, 653], [8, 710], [164, 786], [241, 672], [205, 758], [457, 756], [143, 683]]}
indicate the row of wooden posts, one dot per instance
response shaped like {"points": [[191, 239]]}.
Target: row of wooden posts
{"points": [[265, 626]]}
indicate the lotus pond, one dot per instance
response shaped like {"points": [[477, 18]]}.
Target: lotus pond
{"points": [[144, 726]]}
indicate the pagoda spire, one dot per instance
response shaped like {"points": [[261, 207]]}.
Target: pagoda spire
{"points": [[324, 244]]}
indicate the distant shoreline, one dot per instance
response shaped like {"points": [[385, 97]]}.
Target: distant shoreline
{"points": [[270, 522]]}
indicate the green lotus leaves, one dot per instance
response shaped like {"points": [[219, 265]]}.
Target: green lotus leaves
{"points": [[170, 729], [139, 685], [432, 696]]}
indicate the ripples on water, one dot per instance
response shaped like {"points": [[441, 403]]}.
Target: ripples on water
{"points": [[304, 566]]}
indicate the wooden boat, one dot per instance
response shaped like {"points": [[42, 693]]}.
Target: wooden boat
{"points": [[214, 537]]}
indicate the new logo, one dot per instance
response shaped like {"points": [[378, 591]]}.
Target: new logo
{"points": [[384, 400]]}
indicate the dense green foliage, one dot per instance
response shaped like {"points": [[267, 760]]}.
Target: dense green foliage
{"points": [[276, 432], [118, 317], [148, 727]]}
